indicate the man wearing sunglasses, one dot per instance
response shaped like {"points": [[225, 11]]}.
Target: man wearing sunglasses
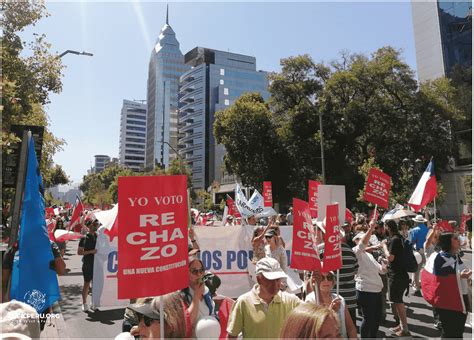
{"points": [[261, 312]]}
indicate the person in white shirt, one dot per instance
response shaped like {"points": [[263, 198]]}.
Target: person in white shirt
{"points": [[369, 285]]}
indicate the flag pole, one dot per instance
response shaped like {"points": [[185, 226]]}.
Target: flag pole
{"points": [[162, 319], [434, 201], [375, 212], [337, 282]]}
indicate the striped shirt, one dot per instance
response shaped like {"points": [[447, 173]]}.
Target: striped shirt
{"points": [[349, 268]]}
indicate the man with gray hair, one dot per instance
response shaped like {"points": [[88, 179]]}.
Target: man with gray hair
{"points": [[261, 312]]}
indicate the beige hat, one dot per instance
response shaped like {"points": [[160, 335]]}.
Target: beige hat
{"points": [[18, 317], [270, 269]]}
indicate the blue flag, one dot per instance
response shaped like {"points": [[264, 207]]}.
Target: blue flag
{"points": [[33, 281]]}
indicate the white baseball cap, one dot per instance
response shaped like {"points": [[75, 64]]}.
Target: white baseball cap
{"points": [[270, 269]]}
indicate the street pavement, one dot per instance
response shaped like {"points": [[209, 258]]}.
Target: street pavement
{"points": [[107, 322]]}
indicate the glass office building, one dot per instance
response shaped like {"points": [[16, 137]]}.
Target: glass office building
{"points": [[133, 135], [443, 36], [165, 67], [214, 82]]}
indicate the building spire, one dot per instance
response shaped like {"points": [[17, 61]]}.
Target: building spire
{"points": [[167, 14]]}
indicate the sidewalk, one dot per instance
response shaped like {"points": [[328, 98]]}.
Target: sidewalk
{"points": [[55, 328]]}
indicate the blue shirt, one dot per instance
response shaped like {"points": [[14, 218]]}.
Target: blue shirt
{"points": [[418, 235]]}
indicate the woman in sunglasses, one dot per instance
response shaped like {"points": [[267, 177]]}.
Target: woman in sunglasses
{"points": [[147, 311], [326, 283], [199, 303]]}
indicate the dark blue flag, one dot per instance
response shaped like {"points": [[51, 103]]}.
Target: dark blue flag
{"points": [[33, 281]]}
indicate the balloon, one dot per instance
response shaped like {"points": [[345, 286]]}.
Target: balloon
{"points": [[208, 328]]}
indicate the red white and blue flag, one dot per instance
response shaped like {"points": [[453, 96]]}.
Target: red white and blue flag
{"points": [[425, 191], [440, 282], [76, 215]]}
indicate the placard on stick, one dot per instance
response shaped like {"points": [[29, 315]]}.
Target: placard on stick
{"points": [[153, 236]]}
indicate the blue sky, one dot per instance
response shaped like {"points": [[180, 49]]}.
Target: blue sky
{"points": [[121, 36]]}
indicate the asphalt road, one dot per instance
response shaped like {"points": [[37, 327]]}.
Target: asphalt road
{"points": [[107, 323]]}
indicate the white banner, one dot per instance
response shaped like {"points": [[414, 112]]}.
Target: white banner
{"points": [[226, 252], [254, 206], [104, 286]]}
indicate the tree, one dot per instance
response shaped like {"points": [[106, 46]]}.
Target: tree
{"points": [[27, 81], [254, 151], [372, 107]]}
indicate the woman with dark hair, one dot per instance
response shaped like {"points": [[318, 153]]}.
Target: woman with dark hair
{"points": [[444, 285], [398, 280], [199, 303], [60, 226]]}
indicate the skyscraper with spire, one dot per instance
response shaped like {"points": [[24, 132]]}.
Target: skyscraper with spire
{"points": [[165, 67]]}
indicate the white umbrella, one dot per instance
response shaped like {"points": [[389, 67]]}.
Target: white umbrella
{"points": [[396, 214]]}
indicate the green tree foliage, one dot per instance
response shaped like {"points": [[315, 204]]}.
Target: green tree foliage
{"points": [[372, 108], [27, 80], [203, 200], [254, 150], [102, 188]]}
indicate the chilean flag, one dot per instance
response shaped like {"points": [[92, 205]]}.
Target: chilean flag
{"points": [[425, 191], [76, 214], [440, 283]]}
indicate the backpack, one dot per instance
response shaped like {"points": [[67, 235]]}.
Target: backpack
{"points": [[409, 258]]}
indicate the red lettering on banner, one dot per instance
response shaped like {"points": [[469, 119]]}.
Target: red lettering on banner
{"points": [[304, 251], [267, 194], [152, 245], [377, 188], [332, 240], [313, 197]]}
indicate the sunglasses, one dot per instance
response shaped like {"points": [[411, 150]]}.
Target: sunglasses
{"points": [[328, 277], [146, 319], [268, 237], [196, 271]]}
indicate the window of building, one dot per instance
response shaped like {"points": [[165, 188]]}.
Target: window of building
{"points": [[221, 81], [222, 72], [226, 102], [226, 91]]}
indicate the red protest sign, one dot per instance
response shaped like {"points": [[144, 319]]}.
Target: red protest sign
{"points": [[313, 197], [232, 208], [445, 226], [267, 194], [153, 236], [377, 188], [349, 217], [332, 240], [304, 253]]}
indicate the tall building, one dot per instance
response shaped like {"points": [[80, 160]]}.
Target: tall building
{"points": [[165, 67], [214, 82], [443, 36], [133, 135], [101, 161]]}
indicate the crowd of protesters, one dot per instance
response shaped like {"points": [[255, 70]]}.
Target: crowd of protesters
{"points": [[374, 272]]}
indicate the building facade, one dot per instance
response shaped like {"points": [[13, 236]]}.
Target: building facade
{"points": [[216, 79], [100, 162], [443, 36], [133, 135], [165, 67]]}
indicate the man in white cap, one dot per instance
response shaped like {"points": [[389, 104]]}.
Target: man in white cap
{"points": [[261, 312], [417, 238]]}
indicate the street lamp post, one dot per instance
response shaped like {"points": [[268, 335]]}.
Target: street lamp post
{"points": [[74, 52], [177, 153], [313, 102]]}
